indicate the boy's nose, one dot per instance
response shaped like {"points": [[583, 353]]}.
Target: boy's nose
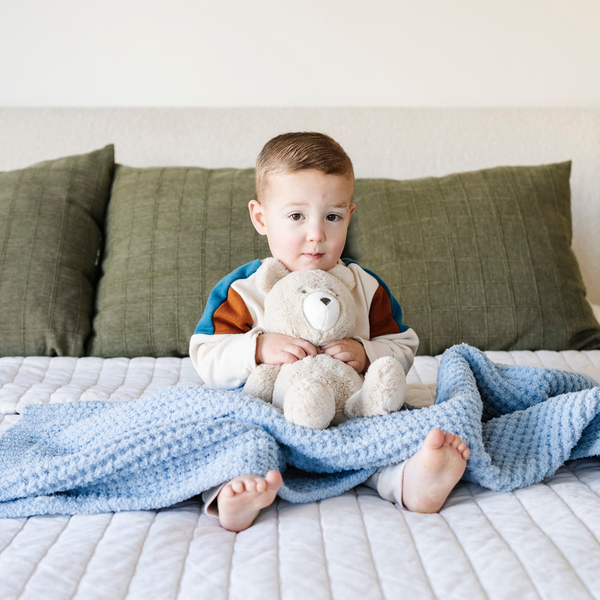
{"points": [[316, 234]]}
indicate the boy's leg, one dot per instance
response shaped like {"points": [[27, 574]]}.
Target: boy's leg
{"points": [[237, 503], [209, 497], [423, 482], [388, 482]]}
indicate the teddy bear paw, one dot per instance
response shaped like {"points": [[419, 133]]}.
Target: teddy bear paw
{"points": [[309, 403], [354, 405], [261, 382]]}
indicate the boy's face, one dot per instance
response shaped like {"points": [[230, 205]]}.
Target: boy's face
{"points": [[305, 217]]}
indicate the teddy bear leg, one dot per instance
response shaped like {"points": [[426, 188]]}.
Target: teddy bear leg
{"points": [[309, 403], [382, 392], [261, 382]]}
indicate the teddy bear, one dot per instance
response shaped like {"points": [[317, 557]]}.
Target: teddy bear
{"points": [[318, 391]]}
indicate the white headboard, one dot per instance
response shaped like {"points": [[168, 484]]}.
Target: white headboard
{"points": [[382, 142]]}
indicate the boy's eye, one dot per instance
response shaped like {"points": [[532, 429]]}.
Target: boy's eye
{"points": [[295, 216], [333, 217]]}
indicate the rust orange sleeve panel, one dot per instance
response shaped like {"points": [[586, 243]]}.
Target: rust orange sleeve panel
{"points": [[381, 321], [232, 316]]}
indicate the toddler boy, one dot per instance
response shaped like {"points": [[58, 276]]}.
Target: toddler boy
{"points": [[304, 188]]}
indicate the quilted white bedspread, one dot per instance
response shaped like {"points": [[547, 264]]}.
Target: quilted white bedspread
{"points": [[539, 542]]}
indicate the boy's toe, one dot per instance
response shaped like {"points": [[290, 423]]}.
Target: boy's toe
{"points": [[274, 480], [449, 438], [435, 439], [457, 442], [227, 492]]}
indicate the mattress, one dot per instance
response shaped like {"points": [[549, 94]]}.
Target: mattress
{"points": [[539, 542]]}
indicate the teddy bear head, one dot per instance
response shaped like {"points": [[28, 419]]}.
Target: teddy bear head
{"points": [[315, 305]]}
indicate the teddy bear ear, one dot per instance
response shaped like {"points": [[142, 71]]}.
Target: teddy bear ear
{"points": [[345, 274], [269, 273]]}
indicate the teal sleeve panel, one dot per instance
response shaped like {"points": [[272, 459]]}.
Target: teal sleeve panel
{"points": [[219, 295]]}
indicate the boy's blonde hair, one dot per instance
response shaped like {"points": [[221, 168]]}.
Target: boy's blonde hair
{"points": [[297, 151]]}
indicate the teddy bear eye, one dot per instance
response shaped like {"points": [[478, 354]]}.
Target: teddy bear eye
{"points": [[304, 291]]}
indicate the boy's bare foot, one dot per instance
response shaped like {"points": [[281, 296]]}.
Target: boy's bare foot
{"points": [[242, 498], [433, 471]]}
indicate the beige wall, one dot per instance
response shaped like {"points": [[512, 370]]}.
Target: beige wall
{"points": [[299, 53]]}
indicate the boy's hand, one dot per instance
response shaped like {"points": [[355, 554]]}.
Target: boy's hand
{"points": [[349, 351], [276, 349]]}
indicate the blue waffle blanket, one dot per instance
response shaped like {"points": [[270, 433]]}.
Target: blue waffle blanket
{"points": [[521, 424]]}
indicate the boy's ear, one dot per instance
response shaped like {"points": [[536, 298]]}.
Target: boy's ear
{"points": [[352, 207], [257, 216]]}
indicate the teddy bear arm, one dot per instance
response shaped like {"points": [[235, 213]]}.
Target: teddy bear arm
{"points": [[262, 382]]}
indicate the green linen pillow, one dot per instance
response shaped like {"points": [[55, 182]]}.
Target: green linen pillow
{"points": [[171, 235], [482, 257], [51, 217]]}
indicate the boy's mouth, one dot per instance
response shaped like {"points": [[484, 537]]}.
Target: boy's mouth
{"points": [[314, 254]]}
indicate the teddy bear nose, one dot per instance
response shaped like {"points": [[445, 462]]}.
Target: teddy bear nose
{"points": [[321, 310]]}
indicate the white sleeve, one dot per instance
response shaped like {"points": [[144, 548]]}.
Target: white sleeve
{"points": [[224, 361], [402, 346]]}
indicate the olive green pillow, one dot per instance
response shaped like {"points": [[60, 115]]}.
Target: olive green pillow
{"points": [[171, 234], [482, 257], [51, 218]]}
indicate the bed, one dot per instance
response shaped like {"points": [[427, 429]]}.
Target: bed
{"points": [[542, 541]]}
